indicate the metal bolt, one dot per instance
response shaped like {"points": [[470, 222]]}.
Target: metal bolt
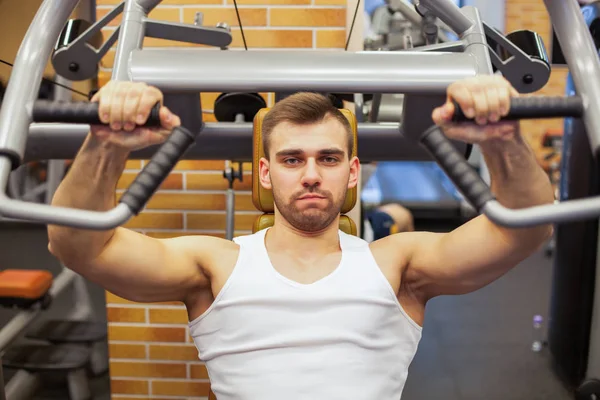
{"points": [[198, 19], [224, 25]]}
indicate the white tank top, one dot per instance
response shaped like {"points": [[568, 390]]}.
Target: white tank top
{"points": [[267, 337]]}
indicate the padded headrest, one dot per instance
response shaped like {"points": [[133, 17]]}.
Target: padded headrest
{"points": [[262, 198]]}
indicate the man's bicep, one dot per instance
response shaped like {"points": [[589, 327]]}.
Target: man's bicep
{"points": [[461, 261], [141, 268]]}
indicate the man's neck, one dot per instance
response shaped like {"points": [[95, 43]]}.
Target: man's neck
{"points": [[283, 237]]}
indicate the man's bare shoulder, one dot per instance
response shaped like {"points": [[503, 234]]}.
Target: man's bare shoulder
{"points": [[205, 249], [397, 249]]}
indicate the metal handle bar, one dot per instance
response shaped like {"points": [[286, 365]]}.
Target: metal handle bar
{"points": [[135, 197], [479, 194]]}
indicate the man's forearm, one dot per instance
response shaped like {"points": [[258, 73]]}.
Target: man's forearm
{"points": [[90, 184], [518, 181]]}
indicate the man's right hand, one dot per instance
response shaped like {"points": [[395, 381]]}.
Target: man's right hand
{"points": [[125, 107]]}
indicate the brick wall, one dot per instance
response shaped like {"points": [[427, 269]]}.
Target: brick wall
{"points": [[151, 353]]}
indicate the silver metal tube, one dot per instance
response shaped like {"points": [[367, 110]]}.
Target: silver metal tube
{"points": [[148, 5], [359, 107], [375, 104], [409, 12], [59, 215], [20, 321], [87, 10], [454, 47], [200, 70], [582, 57], [390, 109], [230, 214], [16, 182], [131, 36], [406, 9], [228, 141], [56, 168], [81, 299], [449, 13], [476, 42], [26, 75], [568, 211], [22, 386]]}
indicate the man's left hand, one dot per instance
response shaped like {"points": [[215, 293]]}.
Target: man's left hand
{"points": [[484, 98]]}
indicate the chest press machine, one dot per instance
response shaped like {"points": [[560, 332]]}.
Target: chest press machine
{"points": [[31, 130]]}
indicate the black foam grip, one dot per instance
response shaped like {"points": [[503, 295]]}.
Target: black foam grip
{"points": [[462, 174], [78, 112], [158, 168], [535, 107]]}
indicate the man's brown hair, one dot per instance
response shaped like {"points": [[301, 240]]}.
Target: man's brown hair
{"points": [[300, 109]]}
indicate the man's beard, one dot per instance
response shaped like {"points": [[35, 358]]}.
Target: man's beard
{"points": [[311, 219]]}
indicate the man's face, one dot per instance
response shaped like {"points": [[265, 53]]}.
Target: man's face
{"points": [[309, 172]]}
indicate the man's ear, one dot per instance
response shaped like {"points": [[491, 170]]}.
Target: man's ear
{"points": [[354, 172], [263, 173]]}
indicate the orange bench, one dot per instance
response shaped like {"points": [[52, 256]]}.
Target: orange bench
{"points": [[23, 288]]}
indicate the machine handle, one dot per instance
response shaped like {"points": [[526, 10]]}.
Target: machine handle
{"points": [[78, 112], [135, 197], [458, 169], [158, 168], [478, 193], [535, 107]]}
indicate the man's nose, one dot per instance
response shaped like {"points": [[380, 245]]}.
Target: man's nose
{"points": [[311, 176]]}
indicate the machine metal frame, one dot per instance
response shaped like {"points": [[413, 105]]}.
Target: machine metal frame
{"points": [[422, 75]]}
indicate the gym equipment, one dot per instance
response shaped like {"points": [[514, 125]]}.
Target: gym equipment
{"points": [[591, 16], [32, 291], [37, 181], [211, 70], [79, 50], [552, 141], [410, 74], [145, 184], [421, 186], [398, 25], [239, 108], [401, 72], [575, 304]]}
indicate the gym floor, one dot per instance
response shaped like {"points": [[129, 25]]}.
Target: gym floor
{"points": [[476, 346]]}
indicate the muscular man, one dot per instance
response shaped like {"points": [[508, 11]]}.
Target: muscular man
{"points": [[302, 310]]}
